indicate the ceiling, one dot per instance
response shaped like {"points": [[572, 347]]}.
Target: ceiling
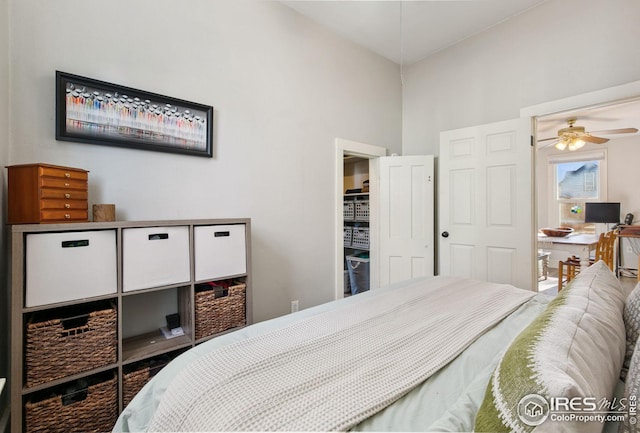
{"points": [[408, 31]]}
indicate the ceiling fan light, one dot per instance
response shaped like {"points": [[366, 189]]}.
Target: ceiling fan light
{"points": [[561, 144], [575, 143]]}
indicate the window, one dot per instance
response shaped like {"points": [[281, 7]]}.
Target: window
{"points": [[577, 178]]}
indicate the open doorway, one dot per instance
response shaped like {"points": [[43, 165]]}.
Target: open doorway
{"points": [[356, 228], [352, 177], [599, 170]]}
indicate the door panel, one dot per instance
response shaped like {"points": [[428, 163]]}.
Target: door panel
{"points": [[463, 206], [500, 191], [502, 264], [485, 199], [461, 258], [406, 218]]}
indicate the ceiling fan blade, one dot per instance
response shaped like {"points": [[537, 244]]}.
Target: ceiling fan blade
{"points": [[547, 139], [553, 143], [616, 131], [592, 139]]}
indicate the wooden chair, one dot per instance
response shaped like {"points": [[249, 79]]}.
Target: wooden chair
{"points": [[605, 251]]}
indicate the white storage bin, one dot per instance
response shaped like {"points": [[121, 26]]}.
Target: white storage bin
{"points": [[348, 210], [70, 265], [154, 256], [219, 251]]}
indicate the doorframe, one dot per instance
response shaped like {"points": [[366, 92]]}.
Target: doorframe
{"points": [[606, 96], [353, 148]]}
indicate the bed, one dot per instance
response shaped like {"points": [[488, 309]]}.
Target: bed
{"points": [[423, 355]]}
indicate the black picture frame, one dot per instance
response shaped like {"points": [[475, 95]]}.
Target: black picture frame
{"points": [[97, 112]]}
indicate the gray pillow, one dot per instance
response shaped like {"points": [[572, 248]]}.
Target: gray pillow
{"points": [[631, 393], [631, 317]]}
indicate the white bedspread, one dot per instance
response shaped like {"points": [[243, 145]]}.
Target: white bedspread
{"points": [[332, 370]]}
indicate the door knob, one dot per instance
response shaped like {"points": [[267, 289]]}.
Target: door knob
{"points": [[445, 234]]}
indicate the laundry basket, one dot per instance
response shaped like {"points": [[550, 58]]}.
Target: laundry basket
{"points": [[347, 283], [358, 267]]}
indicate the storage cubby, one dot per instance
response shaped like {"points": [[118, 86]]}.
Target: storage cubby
{"points": [[143, 316], [88, 301], [219, 251], [69, 265], [137, 374], [84, 333], [219, 306], [154, 256], [89, 404]]}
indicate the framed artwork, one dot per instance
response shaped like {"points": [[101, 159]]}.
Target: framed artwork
{"points": [[97, 112]]}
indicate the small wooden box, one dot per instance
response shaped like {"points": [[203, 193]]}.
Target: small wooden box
{"points": [[44, 193]]}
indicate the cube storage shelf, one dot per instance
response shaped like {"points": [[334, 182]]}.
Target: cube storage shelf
{"points": [[80, 342]]}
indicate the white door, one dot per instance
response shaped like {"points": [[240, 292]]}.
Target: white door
{"points": [[406, 227], [485, 197]]}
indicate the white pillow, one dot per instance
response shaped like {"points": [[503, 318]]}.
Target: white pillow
{"points": [[574, 348]]}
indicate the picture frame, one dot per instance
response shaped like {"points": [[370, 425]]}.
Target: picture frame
{"points": [[97, 112]]}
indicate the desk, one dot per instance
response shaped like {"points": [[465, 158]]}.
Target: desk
{"points": [[579, 245], [628, 232], [543, 265]]}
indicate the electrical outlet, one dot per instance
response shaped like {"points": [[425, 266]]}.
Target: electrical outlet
{"points": [[294, 306]]}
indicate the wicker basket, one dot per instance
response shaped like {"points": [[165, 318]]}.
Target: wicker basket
{"points": [[61, 347], [133, 381], [92, 409], [558, 232], [217, 312]]}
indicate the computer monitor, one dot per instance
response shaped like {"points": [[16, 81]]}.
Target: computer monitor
{"points": [[602, 212]]}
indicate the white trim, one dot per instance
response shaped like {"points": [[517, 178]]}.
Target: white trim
{"points": [[601, 97], [607, 96], [365, 151], [359, 149], [590, 155]]}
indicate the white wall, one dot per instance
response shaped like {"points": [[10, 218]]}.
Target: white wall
{"points": [[282, 87], [561, 48]]}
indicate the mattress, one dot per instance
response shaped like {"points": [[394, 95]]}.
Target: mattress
{"points": [[446, 401]]}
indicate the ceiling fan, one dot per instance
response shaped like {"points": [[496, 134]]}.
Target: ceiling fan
{"points": [[574, 137]]}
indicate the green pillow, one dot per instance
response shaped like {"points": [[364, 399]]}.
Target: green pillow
{"points": [[573, 349]]}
